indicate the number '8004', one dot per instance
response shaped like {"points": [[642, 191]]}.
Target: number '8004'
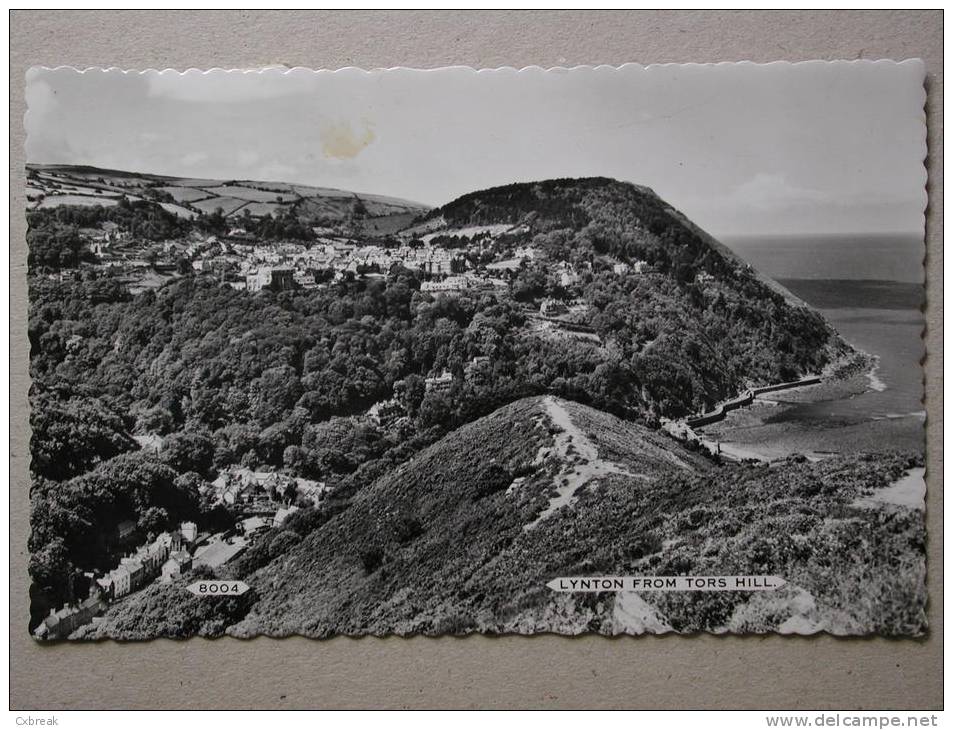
{"points": [[218, 588]]}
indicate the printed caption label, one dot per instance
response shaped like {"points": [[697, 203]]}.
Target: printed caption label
{"points": [[598, 584]]}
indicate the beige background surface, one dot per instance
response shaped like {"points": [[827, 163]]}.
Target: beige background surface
{"points": [[537, 672]]}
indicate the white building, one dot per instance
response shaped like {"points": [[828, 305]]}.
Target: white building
{"points": [[178, 563], [450, 284], [567, 275], [276, 278], [189, 532], [282, 514], [439, 383]]}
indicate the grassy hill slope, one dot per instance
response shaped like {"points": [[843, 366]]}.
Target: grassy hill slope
{"points": [[52, 185], [453, 540]]}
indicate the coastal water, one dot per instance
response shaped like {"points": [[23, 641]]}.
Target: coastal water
{"points": [[870, 257], [870, 289]]}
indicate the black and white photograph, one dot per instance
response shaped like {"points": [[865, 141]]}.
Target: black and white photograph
{"points": [[595, 350]]}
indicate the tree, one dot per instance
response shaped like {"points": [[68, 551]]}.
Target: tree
{"points": [[153, 521], [410, 393], [73, 436], [435, 410], [290, 493], [50, 568], [188, 451], [278, 390], [293, 458]]}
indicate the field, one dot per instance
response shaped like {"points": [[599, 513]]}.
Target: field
{"points": [[178, 210], [250, 194], [51, 201], [308, 191], [185, 194], [386, 225], [333, 208], [260, 209], [228, 205], [63, 185]]}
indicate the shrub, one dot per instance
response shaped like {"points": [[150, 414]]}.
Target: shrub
{"points": [[371, 559]]}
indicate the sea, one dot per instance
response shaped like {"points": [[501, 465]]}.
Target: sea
{"points": [[870, 289]]}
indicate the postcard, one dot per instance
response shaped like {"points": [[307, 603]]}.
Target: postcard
{"points": [[611, 350]]}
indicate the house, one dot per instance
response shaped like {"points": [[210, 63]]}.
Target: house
{"points": [[111, 231], [439, 383], [166, 542], [268, 277], [219, 552], [526, 253], [385, 412], [567, 275], [311, 490], [240, 234], [151, 557], [230, 487], [116, 583], [282, 514], [478, 367], [189, 532], [304, 279], [440, 263], [703, 277], [126, 530], [137, 572], [553, 308], [178, 563], [450, 284], [252, 524], [60, 624]]}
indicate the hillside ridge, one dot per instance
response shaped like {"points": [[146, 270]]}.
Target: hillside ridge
{"points": [[49, 185]]}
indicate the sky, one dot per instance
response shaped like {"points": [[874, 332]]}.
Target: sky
{"points": [[741, 149]]}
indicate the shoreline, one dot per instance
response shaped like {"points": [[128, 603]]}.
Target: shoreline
{"points": [[850, 374], [820, 421]]}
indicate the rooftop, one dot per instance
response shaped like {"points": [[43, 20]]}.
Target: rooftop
{"points": [[218, 553]]}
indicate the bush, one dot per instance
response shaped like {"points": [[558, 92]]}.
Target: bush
{"points": [[372, 559], [492, 479]]}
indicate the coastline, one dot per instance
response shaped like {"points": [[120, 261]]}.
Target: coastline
{"points": [[755, 430], [816, 421]]}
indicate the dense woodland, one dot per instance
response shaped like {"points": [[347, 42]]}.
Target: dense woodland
{"points": [[280, 380]]}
